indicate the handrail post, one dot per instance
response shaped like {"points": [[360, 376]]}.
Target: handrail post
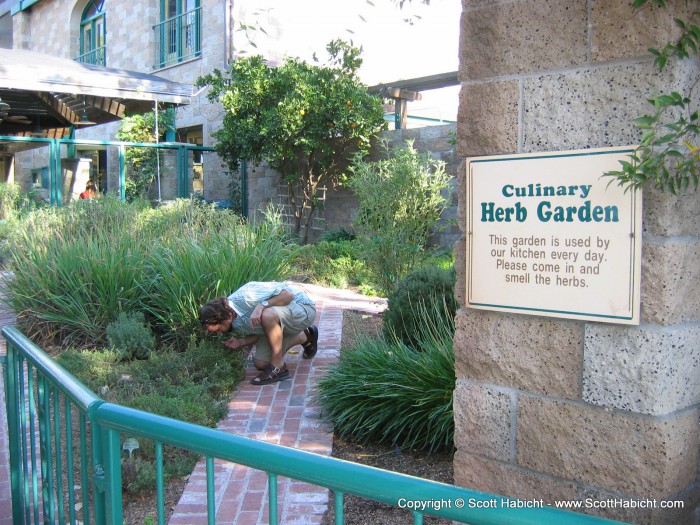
{"points": [[98, 472], [14, 433], [113, 476]]}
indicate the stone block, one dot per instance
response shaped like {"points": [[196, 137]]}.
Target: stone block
{"points": [[669, 215], [642, 457], [594, 107], [618, 32], [671, 282], [532, 354], [649, 370], [483, 420], [488, 119], [522, 36], [495, 477]]}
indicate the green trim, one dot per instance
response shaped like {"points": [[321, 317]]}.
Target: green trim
{"points": [[22, 5]]}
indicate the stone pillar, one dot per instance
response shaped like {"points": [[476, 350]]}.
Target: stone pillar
{"points": [[558, 409]]}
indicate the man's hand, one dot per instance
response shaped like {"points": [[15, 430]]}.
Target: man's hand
{"points": [[256, 316], [234, 344]]}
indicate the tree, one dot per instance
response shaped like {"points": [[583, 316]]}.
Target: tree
{"points": [[669, 154], [305, 121]]}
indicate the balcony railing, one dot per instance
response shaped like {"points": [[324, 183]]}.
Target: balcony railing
{"points": [[179, 38], [95, 56]]}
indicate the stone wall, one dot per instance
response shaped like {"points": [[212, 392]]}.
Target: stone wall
{"points": [[340, 205], [568, 410]]}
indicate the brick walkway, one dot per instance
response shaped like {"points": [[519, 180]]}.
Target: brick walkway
{"points": [[282, 413]]}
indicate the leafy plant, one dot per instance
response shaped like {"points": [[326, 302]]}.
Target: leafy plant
{"points": [[428, 288], [191, 385], [332, 263], [304, 120], [395, 236], [75, 268], [130, 334], [669, 153], [382, 390]]}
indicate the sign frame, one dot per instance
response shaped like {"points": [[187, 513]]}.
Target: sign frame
{"points": [[553, 199]]}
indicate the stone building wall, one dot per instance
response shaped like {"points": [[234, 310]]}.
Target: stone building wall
{"points": [[569, 410], [52, 27], [340, 205]]}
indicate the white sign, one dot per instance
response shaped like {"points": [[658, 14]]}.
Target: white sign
{"points": [[549, 235]]}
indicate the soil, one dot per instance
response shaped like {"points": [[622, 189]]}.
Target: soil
{"points": [[436, 466]]}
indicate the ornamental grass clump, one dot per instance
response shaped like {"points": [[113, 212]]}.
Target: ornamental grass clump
{"points": [[76, 268], [384, 391]]}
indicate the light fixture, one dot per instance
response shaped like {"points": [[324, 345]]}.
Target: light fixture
{"points": [[84, 120]]}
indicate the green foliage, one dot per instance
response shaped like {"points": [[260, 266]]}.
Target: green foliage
{"points": [[187, 270], [71, 287], [304, 120], [192, 385], [338, 235], [130, 334], [142, 161], [669, 153], [395, 236], [429, 288], [382, 390], [76, 268], [336, 264]]}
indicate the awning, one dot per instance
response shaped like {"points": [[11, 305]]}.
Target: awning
{"points": [[47, 95]]}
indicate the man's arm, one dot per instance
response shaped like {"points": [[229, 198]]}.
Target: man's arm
{"points": [[282, 299]]}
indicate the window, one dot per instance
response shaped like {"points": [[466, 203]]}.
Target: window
{"points": [[179, 32], [93, 34]]}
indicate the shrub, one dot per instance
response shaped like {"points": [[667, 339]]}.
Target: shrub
{"points": [[130, 334], [395, 235], [188, 270], [337, 235], [429, 288], [382, 390]]}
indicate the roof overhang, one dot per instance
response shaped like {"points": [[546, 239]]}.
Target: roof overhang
{"points": [[54, 94]]}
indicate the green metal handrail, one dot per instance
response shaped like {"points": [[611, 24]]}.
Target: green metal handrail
{"points": [[107, 421]]}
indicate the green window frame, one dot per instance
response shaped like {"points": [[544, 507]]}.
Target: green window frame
{"points": [[93, 34], [179, 33]]}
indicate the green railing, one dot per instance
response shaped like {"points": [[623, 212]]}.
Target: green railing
{"points": [[79, 438], [178, 38]]}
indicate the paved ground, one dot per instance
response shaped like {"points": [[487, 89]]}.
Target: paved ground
{"points": [[281, 413]]}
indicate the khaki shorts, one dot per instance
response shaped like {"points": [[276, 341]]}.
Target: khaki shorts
{"points": [[294, 318]]}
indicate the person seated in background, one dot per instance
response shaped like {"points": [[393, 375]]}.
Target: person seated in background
{"points": [[272, 316], [90, 191]]}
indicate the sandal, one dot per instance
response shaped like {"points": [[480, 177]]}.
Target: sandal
{"points": [[311, 345], [271, 374]]}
